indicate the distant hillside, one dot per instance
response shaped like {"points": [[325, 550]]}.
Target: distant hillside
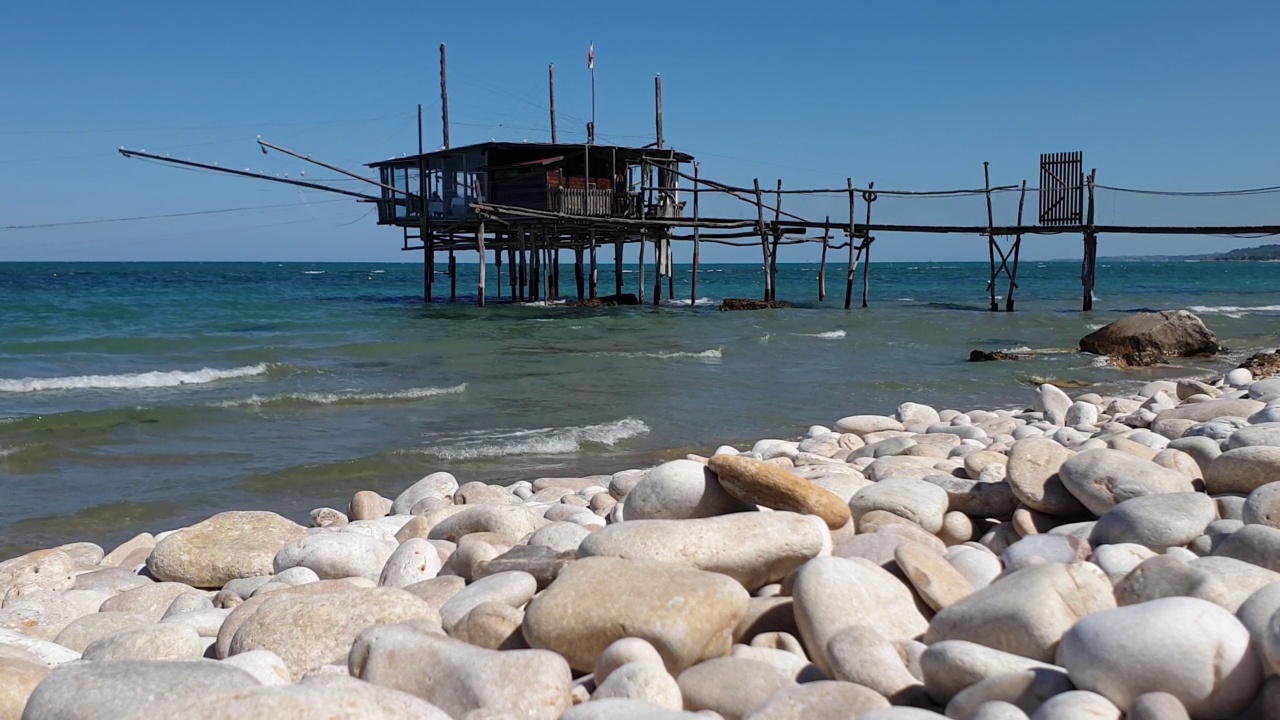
{"points": [[1254, 254]]}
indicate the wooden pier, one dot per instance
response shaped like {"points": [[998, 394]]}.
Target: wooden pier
{"points": [[526, 202]]}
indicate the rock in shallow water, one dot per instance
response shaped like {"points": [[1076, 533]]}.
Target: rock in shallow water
{"points": [[754, 548], [759, 483], [1189, 648], [688, 615]]}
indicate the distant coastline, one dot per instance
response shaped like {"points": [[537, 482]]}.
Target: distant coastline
{"points": [[1262, 253]]}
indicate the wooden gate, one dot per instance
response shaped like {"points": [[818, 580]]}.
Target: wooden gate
{"points": [[1062, 188]]}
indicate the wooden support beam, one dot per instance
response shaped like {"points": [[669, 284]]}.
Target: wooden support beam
{"points": [[524, 266], [822, 267], [444, 97], [555, 271], [777, 238], [869, 197], [617, 266], [453, 277], [853, 241], [594, 289], [1089, 275], [991, 237], [693, 278], [483, 262], [640, 271], [497, 263], [577, 272], [764, 239], [551, 77], [1017, 249], [671, 270], [511, 270], [659, 257]]}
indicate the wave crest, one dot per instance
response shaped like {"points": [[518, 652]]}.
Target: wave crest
{"points": [[540, 441], [829, 335], [131, 381], [347, 398]]}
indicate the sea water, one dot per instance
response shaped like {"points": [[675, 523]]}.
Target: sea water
{"points": [[142, 396]]}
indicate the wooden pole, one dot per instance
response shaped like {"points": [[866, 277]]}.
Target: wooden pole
{"points": [[659, 258], [484, 261], [444, 97], [764, 240], [866, 257], [640, 269], [1090, 248], [671, 268], [551, 77], [617, 266], [577, 272], [497, 263], [657, 110], [511, 268], [991, 237], [535, 269], [697, 240], [593, 290], [822, 267], [453, 277], [853, 241], [1017, 249], [524, 265], [555, 271], [777, 238]]}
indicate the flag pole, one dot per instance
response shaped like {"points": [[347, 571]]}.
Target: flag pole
{"points": [[591, 65]]}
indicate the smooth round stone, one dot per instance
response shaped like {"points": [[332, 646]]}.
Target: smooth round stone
{"points": [[821, 700], [323, 695], [832, 594], [680, 489], [167, 641], [957, 528], [1024, 690], [438, 484], [1026, 612], [1217, 430], [513, 521], [757, 483], [491, 625], [753, 548], [132, 689], [310, 630], [996, 710], [627, 650], [264, 665], [863, 425], [1081, 413], [688, 615], [1032, 474], [1256, 613], [206, 622], [1262, 506], [1189, 648], [861, 655], [367, 505], [976, 498], [464, 681], [438, 590], [479, 493], [1257, 434], [227, 546], [335, 555], [40, 570], [80, 633], [1049, 398], [1206, 411], [414, 561], [951, 666], [1242, 470], [44, 613], [1156, 521], [1077, 705], [1102, 479], [150, 601], [24, 647], [1225, 581], [916, 500], [1201, 449], [1157, 706], [1040, 549], [626, 709], [1255, 544], [934, 579], [975, 463], [18, 679], [642, 681], [979, 566], [1118, 560], [910, 413], [510, 588], [731, 686]]}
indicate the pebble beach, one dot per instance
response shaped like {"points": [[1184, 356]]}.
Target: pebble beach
{"points": [[1085, 557]]}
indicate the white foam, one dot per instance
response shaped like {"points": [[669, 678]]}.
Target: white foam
{"points": [[132, 381], [314, 272], [343, 398], [1100, 362], [540, 441], [685, 303], [1097, 326], [712, 354], [1234, 311], [829, 335]]}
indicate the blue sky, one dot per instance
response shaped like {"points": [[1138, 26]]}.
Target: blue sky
{"points": [[912, 95]]}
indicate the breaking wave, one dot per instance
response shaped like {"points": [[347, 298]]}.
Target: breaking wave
{"points": [[1235, 311], [131, 381], [540, 441], [829, 335], [347, 398], [712, 354]]}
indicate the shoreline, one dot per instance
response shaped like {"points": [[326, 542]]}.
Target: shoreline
{"points": [[927, 526]]}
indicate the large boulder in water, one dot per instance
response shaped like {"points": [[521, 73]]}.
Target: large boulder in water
{"points": [[748, 304], [1150, 338], [1263, 364]]}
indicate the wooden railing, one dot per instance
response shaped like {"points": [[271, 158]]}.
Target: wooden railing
{"points": [[582, 201]]}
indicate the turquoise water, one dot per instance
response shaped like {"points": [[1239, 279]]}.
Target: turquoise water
{"points": [[142, 396]]}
